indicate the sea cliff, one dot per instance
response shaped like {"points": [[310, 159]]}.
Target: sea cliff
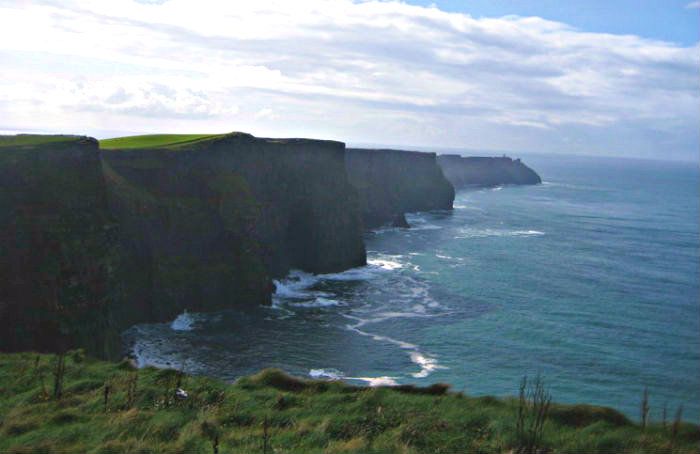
{"points": [[391, 183], [58, 245], [94, 241], [486, 171]]}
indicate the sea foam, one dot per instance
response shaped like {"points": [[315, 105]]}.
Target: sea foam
{"points": [[183, 322]]}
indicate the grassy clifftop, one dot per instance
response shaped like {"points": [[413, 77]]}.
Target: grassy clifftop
{"points": [[155, 141], [110, 407], [33, 140]]}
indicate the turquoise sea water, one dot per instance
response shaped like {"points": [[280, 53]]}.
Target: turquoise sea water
{"points": [[590, 279]]}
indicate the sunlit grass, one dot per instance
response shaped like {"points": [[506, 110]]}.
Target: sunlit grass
{"points": [[155, 141], [140, 413], [31, 140]]}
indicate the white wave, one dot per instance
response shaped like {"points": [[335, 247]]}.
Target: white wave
{"points": [[295, 285], [527, 232], [427, 227], [483, 233], [183, 322], [377, 381], [427, 364], [326, 374], [497, 188], [318, 302], [362, 273], [385, 264], [335, 374]]}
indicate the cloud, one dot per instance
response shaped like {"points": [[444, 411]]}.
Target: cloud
{"points": [[693, 5], [369, 71]]}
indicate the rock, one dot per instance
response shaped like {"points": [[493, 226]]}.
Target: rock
{"points": [[401, 222]]}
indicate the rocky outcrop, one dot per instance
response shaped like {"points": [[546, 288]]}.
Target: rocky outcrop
{"points": [[485, 171], [393, 182], [115, 237]]}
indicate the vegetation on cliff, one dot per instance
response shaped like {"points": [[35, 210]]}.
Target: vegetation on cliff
{"points": [[76, 404], [155, 141]]}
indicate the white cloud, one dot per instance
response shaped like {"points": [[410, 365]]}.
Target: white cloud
{"points": [[693, 5], [370, 71]]}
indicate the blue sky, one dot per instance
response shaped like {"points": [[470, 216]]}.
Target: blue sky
{"points": [[669, 20], [582, 77]]}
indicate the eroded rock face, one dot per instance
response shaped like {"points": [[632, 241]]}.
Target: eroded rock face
{"points": [[58, 248], [94, 241], [486, 171], [212, 223], [394, 182]]}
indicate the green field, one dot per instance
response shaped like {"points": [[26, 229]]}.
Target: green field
{"points": [[107, 407], [155, 141], [32, 140]]}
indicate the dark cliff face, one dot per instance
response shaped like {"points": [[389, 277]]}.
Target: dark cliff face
{"points": [[485, 171], [130, 236], [393, 182], [58, 247]]}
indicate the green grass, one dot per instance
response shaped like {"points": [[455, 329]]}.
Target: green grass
{"points": [[299, 416], [32, 140], [155, 141]]}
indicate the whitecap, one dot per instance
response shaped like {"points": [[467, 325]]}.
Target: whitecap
{"points": [[427, 364], [183, 322], [377, 381], [527, 232], [385, 264], [326, 374], [483, 233], [426, 227], [318, 302], [295, 285], [331, 374]]}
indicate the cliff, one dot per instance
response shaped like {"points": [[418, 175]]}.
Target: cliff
{"points": [[393, 182], [58, 245], [209, 223], [140, 234], [484, 171]]}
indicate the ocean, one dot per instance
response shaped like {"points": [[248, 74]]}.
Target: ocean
{"points": [[590, 280]]}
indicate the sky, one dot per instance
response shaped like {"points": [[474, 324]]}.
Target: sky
{"points": [[616, 78]]}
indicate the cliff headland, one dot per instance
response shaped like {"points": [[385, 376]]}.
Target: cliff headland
{"points": [[486, 171], [94, 240], [98, 236]]}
